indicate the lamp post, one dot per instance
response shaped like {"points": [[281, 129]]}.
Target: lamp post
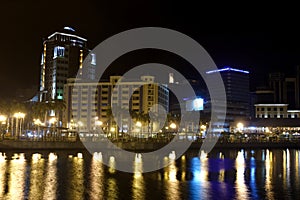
{"points": [[98, 123], [52, 122], [173, 126], [19, 119], [3, 119], [139, 125], [112, 130], [37, 122]]}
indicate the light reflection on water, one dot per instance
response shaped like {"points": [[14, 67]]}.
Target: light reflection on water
{"points": [[36, 177], [96, 191], [138, 185], [230, 174], [241, 188]]}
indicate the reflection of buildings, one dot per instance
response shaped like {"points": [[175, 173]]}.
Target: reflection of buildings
{"points": [[236, 84], [62, 58], [85, 101]]}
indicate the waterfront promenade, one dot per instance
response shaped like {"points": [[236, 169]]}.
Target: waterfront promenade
{"points": [[138, 146]]}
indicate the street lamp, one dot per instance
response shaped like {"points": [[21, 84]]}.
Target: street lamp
{"points": [[240, 126], [3, 119], [173, 126], [37, 122], [139, 129], [19, 116]]}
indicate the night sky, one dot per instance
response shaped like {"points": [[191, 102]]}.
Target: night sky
{"points": [[254, 37]]}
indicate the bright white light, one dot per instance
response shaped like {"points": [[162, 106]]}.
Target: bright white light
{"points": [[69, 28], [173, 126], [79, 155], [172, 155], [52, 157], [36, 157], [228, 69], [138, 124]]}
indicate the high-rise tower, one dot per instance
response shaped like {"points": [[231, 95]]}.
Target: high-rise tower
{"points": [[62, 58]]}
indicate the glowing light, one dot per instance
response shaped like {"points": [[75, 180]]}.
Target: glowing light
{"points": [[36, 157], [65, 34], [227, 69], [173, 126], [79, 155], [3, 118], [19, 115], [138, 157], [203, 155], [69, 28], [98, 123], [240, 126], [112, 165], [139, 124], [2, 157], [52, 157], [97, 156], [172, 156]]}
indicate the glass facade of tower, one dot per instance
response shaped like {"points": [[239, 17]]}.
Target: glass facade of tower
{"points": [[236, 84]]}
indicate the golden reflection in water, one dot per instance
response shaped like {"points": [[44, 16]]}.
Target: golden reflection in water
{"points": [[203, 174], [77, 188], [241, 188], [97, 177], [112, 165], [16, 181], [183, 168], [138, 185], [297, 167], [36, 177], [221, 177], [51, 180], [3, 180], [112, 189], [269, 174], [172, 184], [286, 169]]}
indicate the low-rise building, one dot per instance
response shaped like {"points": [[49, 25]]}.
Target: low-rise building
{"points": [[89, 104]]}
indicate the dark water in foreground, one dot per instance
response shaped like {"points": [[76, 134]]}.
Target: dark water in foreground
{"points": [[227, 174]]}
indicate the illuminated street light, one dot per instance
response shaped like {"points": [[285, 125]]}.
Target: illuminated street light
{"points": [[173, 126], [52, 120], [19, 118], [138, 124], [19, 115], [98, 123], [3, 119], [240, 126]]}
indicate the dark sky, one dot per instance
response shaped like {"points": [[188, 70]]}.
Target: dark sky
{"points": [[255, 37]]}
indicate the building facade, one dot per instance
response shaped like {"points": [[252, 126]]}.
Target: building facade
{"points": [[88, 102], [62, 58], [236, 83], [275, 111]]}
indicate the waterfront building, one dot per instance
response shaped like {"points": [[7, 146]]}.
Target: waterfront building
{"points": [[85, 110], [275, 111], [236, 82], [285, 88], [62, 58]]}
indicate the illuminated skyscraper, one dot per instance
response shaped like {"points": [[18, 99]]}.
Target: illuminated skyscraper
{"points": [[236, 84], [62, 58]]}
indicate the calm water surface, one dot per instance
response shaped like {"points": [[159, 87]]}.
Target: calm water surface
{"points": [[226, 174]]}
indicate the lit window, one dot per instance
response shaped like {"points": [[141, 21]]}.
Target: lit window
{"points": [[59, 52]]}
